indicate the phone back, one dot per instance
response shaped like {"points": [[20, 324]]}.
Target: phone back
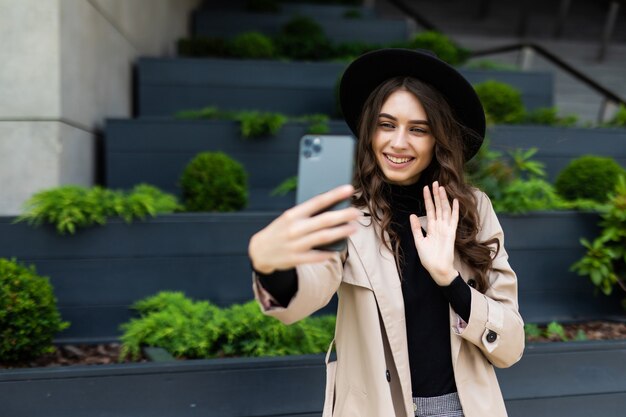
{"points": [[325, 162]]}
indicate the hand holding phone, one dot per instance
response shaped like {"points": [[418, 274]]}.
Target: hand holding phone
{"points": [[318, 220], [325, 162]]}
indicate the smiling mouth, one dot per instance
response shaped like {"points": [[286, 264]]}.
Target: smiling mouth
{"points": [[398, 161]]}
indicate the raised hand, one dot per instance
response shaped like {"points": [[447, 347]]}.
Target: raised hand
{"points": [[436, 249], [289, 240]]}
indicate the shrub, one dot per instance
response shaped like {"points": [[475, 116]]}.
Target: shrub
{"points": [[288, 185], [29, 317], [522, 196], [605, 260], [352, 14], [252, 45], [588, 177], [256, 124], [317, 123], [440, 44], [175, 323], [486, 64], [70, 207], [199, 329], [548, 116], [489, 171], [502, 102], [303, 38], [208, 113], [213, 181], [619, 120], [202, 46], [347, 51]]}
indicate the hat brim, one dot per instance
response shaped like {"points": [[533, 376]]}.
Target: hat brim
{"points": [[369, 70]]}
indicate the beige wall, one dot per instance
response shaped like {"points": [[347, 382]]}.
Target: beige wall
{"points": [[66, 67]]}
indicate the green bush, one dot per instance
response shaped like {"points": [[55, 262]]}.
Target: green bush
{"points": [[70, 207], [549, 116], [213, 181], [199, 329], [302, 38], [252, 45], [522, 196], [352, 14], [347, 51], [486, 64], [605, 260], [588, 177], [502, 102], [489, 171], [202, 46], [257, 124], [29, 317], [619, 120], [440, 44], [288, 185]]}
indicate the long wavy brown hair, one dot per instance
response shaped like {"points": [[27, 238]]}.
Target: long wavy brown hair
{"points": [[446, 168]]}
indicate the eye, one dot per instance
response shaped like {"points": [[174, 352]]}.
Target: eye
{"points": [[386, 125], [419, 130]]}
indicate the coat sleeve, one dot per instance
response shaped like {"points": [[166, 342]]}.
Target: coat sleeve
{"points": [[495, 325], [316, 285]]}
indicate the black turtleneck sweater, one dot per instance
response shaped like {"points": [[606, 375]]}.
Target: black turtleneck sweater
{"points": [[425, 303]]}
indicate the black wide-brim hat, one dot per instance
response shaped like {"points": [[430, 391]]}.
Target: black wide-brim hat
{"points": [[369, 70]]}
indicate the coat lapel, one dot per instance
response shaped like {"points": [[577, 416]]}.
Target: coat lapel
{"points": [[380, 267]]}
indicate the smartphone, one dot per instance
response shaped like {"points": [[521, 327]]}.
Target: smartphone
{"points": [[325, 162]]}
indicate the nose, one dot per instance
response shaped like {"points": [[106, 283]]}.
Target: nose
{"points": [[400, 138]]}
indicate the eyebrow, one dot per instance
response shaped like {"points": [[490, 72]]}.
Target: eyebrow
{"points": [[415, 122]]}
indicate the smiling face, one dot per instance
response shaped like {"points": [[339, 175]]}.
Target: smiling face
{"points": [[402, 142]]}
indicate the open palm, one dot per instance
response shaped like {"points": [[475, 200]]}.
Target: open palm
{"points": [[436, 249]]}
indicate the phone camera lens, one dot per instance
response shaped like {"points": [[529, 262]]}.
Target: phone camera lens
{"points": [[317, 148], [307, 153], [308, 141]]}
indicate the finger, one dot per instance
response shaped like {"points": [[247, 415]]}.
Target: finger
{"points": [[454, 221], [437, 198], [323, 237], [322, 201], [430, 209], [416, 228], [445, 205], [325, 220]]}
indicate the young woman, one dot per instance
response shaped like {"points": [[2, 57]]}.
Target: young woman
{"points": [[427, 299]]}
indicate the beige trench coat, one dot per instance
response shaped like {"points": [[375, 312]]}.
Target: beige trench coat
{"points": [[370, 335]]}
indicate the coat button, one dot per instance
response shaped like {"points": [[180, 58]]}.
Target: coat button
{"points": [[471, 282], [388, 375], [491, 336]]}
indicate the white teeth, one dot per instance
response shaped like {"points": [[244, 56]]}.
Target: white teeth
{"points": [[397, 160]]}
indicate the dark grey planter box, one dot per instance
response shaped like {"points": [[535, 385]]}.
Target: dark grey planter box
{"points": [[167, 85], [552, 380], [567, 379], [337, 29], [99, 272], [542, 246], [557, 146], [156, 151]]}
